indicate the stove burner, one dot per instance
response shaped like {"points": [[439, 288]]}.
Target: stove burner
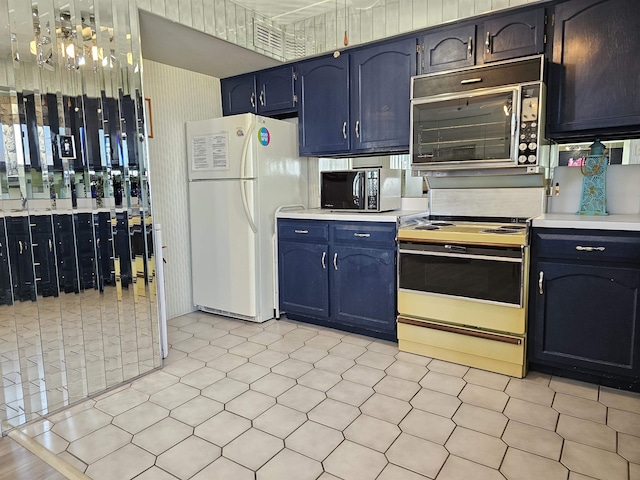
{"points": [[442, 224], [427, 227], [501, 230], [513, 227]]}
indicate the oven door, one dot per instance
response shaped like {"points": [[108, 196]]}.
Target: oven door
{"points": [[485, 274], [343, 190], [472, 129]]}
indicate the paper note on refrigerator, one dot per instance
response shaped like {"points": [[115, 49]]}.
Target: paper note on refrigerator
{"points": [[210, 152]]}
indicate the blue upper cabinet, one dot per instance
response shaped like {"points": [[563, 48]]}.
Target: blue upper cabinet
{"points": [[593, 81], [275, 90], [514, 35], [448, 49], [380, 94], [238, 94], [323, 110]]}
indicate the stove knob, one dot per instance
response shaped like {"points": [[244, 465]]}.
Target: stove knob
{"points": [[523, 146], [523, 137], [534, 124], [532, 159], [533, 146], [522, 158], [523, 126]]}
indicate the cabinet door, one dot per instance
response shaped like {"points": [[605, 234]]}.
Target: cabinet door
{"points": [[587, 316], [238, 94], [363, 291], [303, 278], [593, 78], [380, 94], [323, 95], [514, 35], [275, 90], [448, 49]]}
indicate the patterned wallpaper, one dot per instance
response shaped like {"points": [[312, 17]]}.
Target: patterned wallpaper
{"points": [[176, 95]]}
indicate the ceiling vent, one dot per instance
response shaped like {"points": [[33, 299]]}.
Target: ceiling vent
{"points": [[268, 38]]}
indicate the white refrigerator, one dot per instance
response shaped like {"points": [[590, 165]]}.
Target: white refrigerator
{"points": [[241, 169]]}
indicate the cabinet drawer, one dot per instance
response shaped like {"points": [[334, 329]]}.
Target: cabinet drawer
{"points": [[364, 233], [303, 230], [587, 245]]}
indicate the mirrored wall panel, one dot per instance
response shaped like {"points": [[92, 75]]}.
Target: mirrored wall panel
{"points": [[77, 281]]}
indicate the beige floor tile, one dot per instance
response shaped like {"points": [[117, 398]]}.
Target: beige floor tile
{"points": [[533, 440], [394, 472], [140, 417], [292, 368], [443, 383], [594, 462], [519, 465], [531, 414], [538, 377], [127, 462], [314, 440], [334, 414], [375, 360], [52, 442], [406, 371], [619, 399], [100, 443], [397, 388], [202, 378], [265, 338], [225, 390], [634, 472], [417, 455], [155, 381], [309, 354], [350, 392], [82, 424], [383, 346], [190, 344], [227, 362], [327, 476], [480, 419], [351, 461], [579, 476], [188, 457], [121, 402], [413, 358], [456, 468], [228, 341], [428, 426], [253, 448], [580, 407], [530, 391], [576, 388], [372, 432], [178, 336], [268, 358], [334, 364], [629, 447], [302, 333], [248, 372], [436, 402], [448, 368], [477, 447], [273, 384], [282, 326], [197, 410], [162, 435], [155, 473], [364, 375], [323, 342], [280, 421], [247, 349], [223, 428], [181, 321], [587, 432], [301, 398], [67, 457], [289, 465], [484, 397], [486, 379], [211, 334], [348, 350], [250, 404], [195, 327], [385, 408], [174, 396], [356, 339], [224, 469], [319, 380], [623, 421], [285, 345], [247, 330]]}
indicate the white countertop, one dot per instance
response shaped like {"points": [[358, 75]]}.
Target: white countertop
{"points": [[593, 222], [321, 214]]}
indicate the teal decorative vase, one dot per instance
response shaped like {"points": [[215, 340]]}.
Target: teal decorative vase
{"points": [[593, 200]]}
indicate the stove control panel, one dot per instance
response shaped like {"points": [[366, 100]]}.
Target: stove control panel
{"points": [[529, 130]]}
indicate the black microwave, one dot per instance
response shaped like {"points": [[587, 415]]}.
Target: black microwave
{"points": [[362, 190]]}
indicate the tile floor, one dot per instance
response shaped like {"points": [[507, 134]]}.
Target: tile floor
{"points": [[289, 401]]}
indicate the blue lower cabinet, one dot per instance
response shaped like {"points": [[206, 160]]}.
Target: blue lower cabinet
{"points": [[345, 281]]}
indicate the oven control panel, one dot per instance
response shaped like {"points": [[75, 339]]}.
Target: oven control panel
{"points": [[529, 125]]}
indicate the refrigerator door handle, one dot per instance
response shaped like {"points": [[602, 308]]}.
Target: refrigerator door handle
{"points": [[245, 150], [245, 205]]}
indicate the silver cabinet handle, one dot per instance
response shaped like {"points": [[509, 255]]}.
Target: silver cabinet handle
{"points": [[470, 46], [344, 130], [262, 97], [253, 99], [50, 246], [365, 235], [335, 260], [20, 244], [487, 42], [358, 129], [540, 279], [470, 80], [580, 248], [324, 256], [301, 232]]}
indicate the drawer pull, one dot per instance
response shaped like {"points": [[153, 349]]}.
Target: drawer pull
{"points": [[362, 235], [470, 80], [580, 248], [461, 331], [301, 232]]}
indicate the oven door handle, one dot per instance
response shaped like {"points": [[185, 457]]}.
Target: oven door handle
{"points": [[463, 255]]}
